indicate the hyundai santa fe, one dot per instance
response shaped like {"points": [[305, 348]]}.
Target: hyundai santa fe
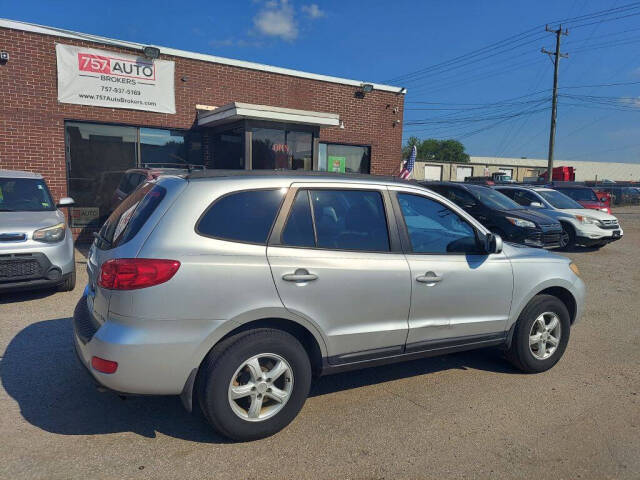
{"points": [[233, 289]]}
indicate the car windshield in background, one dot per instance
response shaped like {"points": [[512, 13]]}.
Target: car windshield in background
{"points": [[558, 199], [580, 194], [24, 195], [494, 199]]}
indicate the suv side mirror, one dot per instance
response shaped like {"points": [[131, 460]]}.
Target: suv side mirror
{"points": [[536, 205], [493, 243], [66, 202]]}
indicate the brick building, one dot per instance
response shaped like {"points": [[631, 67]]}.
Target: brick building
{"points": [[194, 109]]}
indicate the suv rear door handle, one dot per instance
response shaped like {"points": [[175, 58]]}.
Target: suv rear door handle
{"points": [[300, 275], [429, 277]]}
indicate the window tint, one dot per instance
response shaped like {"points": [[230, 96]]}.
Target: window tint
{"points": [[434, 228], [457, 196], [299, 229], [350, 220], [242, 216], [129, 217]]}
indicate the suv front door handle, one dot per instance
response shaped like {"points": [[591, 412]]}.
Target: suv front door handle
{"points": [[429, 277], [300, 275]]}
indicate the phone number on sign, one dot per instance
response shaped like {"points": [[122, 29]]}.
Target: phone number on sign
{"points": [[127, 91]]}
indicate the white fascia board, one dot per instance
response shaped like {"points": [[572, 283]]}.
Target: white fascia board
{"points": [[238, 111], [59, 32]]}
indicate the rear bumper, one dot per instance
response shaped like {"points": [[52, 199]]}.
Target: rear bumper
{"points": [[154, 357]]}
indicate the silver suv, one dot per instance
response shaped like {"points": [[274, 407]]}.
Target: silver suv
{"points": [[233, 289], [36, 246]]}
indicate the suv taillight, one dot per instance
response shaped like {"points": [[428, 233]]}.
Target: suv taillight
{"points": [[134, 273]]}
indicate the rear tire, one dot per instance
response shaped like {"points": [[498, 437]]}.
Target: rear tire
{"points": [[69, 283], [541, 335], [230, 370]]}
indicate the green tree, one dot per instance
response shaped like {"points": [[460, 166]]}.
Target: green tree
{"points": [[433, 150]]}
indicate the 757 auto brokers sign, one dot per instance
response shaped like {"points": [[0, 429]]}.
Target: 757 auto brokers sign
{"points": [[87, 76]]}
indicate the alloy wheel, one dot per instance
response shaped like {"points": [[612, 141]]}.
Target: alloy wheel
{"points": [[260, 387], [544, 336]]}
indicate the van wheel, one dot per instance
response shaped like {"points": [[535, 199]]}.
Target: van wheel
{"points": [[567, 237], [69, 283], [541, 335], [256, 385]]}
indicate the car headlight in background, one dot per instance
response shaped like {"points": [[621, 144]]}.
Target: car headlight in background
{"points": [[574, 268], [519, 222], [50, 234], [587, 220]]}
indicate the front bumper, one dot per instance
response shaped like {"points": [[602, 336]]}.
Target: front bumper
{"points": [[154, 357], [543, 238], [29, 264], [594, 235]]}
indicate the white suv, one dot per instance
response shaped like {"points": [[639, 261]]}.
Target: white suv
{"points": [[583, 226]]}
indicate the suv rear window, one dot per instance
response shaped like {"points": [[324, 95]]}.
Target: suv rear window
{"points": [[244, 216], [129, 217]]}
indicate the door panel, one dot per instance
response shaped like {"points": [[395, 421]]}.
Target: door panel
{"points": [[359, 300], [335, 262], [473, 296], [457, 289]]}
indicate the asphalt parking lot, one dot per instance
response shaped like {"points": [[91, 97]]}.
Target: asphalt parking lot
{"points": [[466, 415]]}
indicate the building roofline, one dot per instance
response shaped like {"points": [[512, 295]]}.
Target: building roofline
{"points": [[60, 32]]}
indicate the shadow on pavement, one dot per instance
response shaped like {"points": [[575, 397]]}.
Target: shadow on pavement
{"points": [[41, 373], [26, 295]]}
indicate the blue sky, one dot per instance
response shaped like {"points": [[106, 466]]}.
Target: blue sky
{"points": [[383, 40]]}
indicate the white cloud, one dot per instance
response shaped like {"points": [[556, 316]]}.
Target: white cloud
{"points": [[277, 19], [313, 11]]}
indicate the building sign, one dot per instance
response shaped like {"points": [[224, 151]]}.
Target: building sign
{"points": [[84, 216], [337, 164], [87, 76]]}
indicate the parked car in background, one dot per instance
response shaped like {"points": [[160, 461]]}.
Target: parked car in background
{"points": [[585, 196], [36, 245], [580, 225], [501, 215], [134, 177], [621, 194], [233, 289]]}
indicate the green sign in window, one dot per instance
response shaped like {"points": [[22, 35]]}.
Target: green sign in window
{"points": [[337, 164]]}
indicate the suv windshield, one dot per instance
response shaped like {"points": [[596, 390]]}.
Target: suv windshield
{"points": [[558, 199], [24, 195], [584, 194], [493, 199]]}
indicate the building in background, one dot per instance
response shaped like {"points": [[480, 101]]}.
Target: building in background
{"points": [[81, 109], [522, 169]]}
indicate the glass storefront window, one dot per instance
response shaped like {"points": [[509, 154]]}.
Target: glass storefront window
{"points": [[170, 148], [333, 157], [227, 149], [98, 155], [279, 149]]}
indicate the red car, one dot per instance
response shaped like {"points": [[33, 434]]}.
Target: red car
{"points": [[585, 196]]}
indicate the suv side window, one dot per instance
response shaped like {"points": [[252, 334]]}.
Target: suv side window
{"points": [[460, 197], [244, 216], [434, 228], [344, 220], [299, 231], [521, 197]]}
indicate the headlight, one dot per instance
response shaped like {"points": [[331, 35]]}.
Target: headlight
{"points": [[518, 222], [587, 220], [574, 268], [50, 234], [604, 210]]}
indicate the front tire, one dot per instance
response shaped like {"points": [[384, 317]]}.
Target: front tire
{"points": [[541, 335], [254, 385], [69, 283], [567, 237]]}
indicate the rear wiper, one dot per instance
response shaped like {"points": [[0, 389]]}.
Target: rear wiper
{"points": [[101, 238]]}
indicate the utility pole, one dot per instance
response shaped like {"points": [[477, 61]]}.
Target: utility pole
{"points": [[554, 102]]}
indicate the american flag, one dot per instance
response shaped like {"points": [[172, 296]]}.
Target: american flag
{"points": [[407, 168]]}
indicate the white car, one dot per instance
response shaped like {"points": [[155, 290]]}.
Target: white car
{"points": [[583, 226]]}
